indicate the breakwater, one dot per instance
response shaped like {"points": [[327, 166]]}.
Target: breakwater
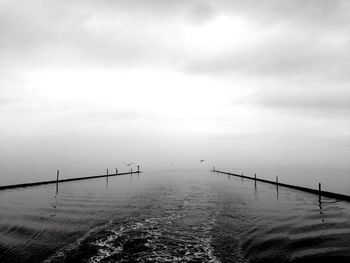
{"points": [[5, 187], [318, 191]]}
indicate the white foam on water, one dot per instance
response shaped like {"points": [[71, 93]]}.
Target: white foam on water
{"points": [[162, 239], [106, 249]]}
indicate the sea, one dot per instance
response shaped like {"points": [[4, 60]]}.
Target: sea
{"points": [[171, 216]]}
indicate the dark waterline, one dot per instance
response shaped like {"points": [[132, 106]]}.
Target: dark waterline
{"points": [[171, 217]]}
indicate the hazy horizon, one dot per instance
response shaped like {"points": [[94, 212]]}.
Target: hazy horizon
{"points": [[246, 85]]}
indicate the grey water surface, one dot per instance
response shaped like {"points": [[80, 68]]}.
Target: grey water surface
{"points": [[171, 216]]}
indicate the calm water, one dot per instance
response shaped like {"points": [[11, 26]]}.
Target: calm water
{"points": [[171, 217]]}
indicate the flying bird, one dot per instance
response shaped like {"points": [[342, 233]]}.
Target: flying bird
{"points": [[128, 164], [201, 161]]}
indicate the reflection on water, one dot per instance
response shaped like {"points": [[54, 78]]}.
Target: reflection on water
{"points": [[171, 217]]}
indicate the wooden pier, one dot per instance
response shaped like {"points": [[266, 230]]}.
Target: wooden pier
{"points": [[5, 187], [318, 191]]}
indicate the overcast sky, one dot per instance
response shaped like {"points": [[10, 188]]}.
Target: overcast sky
{"points": [[242, 84]]}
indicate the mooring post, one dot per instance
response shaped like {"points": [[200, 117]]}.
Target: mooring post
{"points": [[116, 171], [319, 192], [107, 172], [255, 180], [242, 176], [138, 168], [214, 169], [277, 180], [131, 170], [57, 177]]}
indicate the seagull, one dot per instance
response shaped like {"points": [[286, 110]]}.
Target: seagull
{"points": [[128, 164], [201, 160]]}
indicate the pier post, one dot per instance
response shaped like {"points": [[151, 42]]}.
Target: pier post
{"points": [[319, 192], [277, 180], [107, 172], [57, 177], [138, 168], [242, 176], [255, 180], [116, 171], [131, 170]]}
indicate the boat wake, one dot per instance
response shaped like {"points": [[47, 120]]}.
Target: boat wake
{"points": [[156, 239]]}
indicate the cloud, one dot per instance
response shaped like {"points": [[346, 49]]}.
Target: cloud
{"points": [[111, 115], [308, 102], [281, 52], [104, 33], [5, 101], [143, 33], [282, 40]]}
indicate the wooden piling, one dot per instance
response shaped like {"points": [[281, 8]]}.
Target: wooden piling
{"points": [[57, 178], [255, 180], [116, 171], [107, 172]]}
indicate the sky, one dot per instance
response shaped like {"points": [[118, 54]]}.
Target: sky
{"points": [[246, 85]]}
